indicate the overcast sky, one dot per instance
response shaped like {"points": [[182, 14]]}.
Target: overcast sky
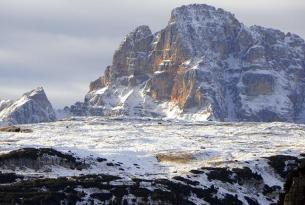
{"points": [[62, 45]]}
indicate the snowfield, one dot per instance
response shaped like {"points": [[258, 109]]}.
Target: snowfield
{"points": [[150, 149]]}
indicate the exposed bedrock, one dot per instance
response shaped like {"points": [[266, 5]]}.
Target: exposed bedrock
{"points": [[38, 159], [213, 185], [205, 62], [294, 188]]}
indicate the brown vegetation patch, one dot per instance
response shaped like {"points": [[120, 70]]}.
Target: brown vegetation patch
{"points": [[175, 157], [15, 129]]}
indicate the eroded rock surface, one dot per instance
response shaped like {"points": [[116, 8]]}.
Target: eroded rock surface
{"points": [[38, 159], [294, 189], [204, 64]]}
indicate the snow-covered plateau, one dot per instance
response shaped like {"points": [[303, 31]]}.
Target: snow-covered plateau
{"points": [[202, 163]]}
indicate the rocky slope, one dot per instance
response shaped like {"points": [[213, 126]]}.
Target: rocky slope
{"points": [[32, 107], [203, 65], [4, 104], [113, 189]]}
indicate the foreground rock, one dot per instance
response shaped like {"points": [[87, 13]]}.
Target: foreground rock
{"points": [[294, 189], [206, 185], [109, 190], [32, 107], [38, 159], [204, 64]]}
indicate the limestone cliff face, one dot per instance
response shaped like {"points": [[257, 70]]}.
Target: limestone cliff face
{"points": [[205, 62]]}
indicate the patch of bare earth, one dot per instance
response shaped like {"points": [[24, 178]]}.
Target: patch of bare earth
{"points": [[181, 158], [15, 129]]}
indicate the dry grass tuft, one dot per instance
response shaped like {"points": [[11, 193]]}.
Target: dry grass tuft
{"points": [[15, 129], [181, 158]]}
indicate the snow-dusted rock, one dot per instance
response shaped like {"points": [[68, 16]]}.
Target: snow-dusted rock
{"points": [[4, 104], [32, 107], [204, 65]]}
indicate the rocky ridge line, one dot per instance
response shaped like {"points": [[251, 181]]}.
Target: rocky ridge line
{"points": [[204, 65]]}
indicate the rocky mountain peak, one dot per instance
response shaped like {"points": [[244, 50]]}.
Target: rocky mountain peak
{"points": [[39, 96], [32, 107], [138, 34], [34, 92], [203, 27], [201, 13], [204, 65]]}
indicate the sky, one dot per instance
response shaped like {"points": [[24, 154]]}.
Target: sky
{"points": [[63, 45]]}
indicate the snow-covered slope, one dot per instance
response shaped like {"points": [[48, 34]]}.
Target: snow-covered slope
{"points": [[204, 163], [32, 107], [204, 65], [4, 104]]}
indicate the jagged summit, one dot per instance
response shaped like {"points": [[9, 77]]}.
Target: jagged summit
{"points": [[38, 90], [140, 33], [198, 13], [32, 107], [197, 23], [204, 65]]}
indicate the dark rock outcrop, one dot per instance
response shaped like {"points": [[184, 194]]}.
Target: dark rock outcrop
{"points": [[216, 186], [112, 190], [37, 159], [6, 178], [294, 188], [283, 164]]}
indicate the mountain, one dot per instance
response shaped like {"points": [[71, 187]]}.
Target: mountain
{"points": [[32, 107], [204, 65]]}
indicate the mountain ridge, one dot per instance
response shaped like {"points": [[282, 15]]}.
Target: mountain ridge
{"points": [[204, 65], [31, 107]]}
